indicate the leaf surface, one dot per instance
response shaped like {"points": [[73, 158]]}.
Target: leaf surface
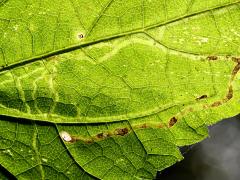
{"points": [[111, 89]]}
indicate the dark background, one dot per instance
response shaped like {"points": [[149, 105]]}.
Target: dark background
{"points": [[215, 158]]}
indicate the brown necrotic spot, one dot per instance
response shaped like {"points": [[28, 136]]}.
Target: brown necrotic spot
{"points": [[212, 58], [172, 121], [121, 131], [202, 97]]}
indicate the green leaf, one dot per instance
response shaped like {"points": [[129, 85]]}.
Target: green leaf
{"points": [[111, 89]]}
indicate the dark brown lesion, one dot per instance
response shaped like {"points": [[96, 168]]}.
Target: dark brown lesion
{"points": [[118, 132], [201, 97], [228, 97], [229, 94], [100, 136], [172, 121], [121, 131], [212, 58], [103, 135]]}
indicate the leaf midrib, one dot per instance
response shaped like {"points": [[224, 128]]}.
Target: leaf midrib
{"points": [[107, 38]]}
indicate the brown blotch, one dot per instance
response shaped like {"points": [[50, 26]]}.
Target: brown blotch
{"points": [[121, 131], [100, 135], [216, 104], [202, 97], [212, 58], [172, 121]]}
